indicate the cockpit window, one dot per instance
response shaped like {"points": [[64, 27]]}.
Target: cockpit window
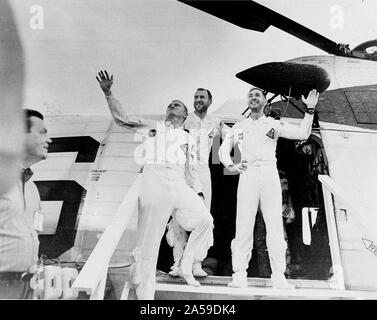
{"points": [[371, 50]]}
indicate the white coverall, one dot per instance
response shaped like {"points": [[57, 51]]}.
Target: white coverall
{"points": [[169, 155], [203, 130], [260, 184]]}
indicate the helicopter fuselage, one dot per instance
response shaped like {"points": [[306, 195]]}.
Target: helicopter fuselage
{"points": [[343, 72]]}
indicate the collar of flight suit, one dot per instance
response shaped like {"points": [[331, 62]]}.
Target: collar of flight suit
{"points": [[168, 125], [198, 118], [263, 118]]}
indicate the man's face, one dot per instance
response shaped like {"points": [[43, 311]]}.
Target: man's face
{"points": [[201, 101], [256, 100], [307, 149], [176, 109], [37, 140]]}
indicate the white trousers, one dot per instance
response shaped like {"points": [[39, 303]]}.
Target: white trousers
{"points": [[259, 185], [163, 192], [176, 235]]}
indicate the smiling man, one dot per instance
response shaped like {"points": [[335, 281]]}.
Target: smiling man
{"points": [[259, 183], [20, 216]]}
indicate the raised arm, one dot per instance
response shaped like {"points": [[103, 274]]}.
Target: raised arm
{"points": [[302, 132], [117, 110]]}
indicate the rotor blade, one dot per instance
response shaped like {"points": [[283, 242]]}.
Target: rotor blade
{"points": [[253, 16]]}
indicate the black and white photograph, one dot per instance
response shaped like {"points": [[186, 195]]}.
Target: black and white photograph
{"points": [[201, 151]]}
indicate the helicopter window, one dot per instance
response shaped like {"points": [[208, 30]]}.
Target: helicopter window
{"points": [[371, 50], [363, 104], [366, 50]]}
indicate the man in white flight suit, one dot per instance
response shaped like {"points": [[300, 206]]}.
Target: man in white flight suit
{"points": [[170, 155], [203, 127], [259, 183]]}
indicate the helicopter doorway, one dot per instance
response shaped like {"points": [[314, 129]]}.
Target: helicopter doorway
{"points": [[308, 255]]}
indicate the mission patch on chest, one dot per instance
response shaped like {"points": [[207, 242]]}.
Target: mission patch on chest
{"points": [[271, 133]]}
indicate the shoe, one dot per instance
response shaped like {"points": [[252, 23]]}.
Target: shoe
{"points": [[189, 278], [186, 272], [239, 280], [280, 282], [174, 271], [197, 270]]}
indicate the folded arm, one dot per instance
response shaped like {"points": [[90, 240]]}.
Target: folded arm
{"points": [[226, 148], [224, 129], [230, 140]]}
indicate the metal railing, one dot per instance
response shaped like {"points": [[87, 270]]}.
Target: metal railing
{"points": [[330, 187], [92, 278]]}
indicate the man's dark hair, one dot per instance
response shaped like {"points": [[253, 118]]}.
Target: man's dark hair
{"points": [[259, 89], [209, 92], [31, 113]]}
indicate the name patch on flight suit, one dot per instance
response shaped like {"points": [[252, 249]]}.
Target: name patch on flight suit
{"points": [[271, 133], [240, 135]]}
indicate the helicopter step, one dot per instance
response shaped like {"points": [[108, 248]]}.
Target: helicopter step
{"points": [[216, 288]]}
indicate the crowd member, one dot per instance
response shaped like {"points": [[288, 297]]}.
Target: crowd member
{"points": [[170, 157], [11, 91], [316, 257], [203, 127], [316, 155], [259, 183], [20, 216]]}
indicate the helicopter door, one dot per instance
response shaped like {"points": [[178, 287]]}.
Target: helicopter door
{"points": [[352, 154]]}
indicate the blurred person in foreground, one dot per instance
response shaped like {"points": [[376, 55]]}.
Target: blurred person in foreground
{"points": [[20, 216], [11, 92]]}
